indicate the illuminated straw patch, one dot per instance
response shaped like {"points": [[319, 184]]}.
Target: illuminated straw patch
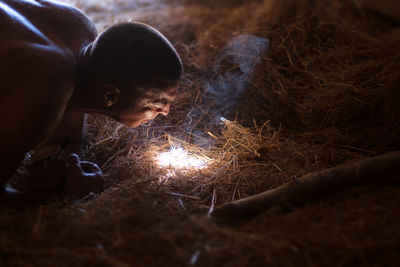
{"points": [[179, 158]]}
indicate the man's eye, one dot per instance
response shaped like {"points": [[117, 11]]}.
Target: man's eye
{"points": [[147, 109]]}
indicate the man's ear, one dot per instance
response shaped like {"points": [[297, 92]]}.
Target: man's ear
{"points": [[111, 94]]}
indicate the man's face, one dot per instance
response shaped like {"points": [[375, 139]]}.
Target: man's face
{"points": [[148, 107]]}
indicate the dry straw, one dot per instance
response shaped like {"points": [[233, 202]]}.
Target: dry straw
{"points": [[324, 92]]}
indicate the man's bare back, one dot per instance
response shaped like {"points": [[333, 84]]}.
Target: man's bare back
{"points": [[53, 70]]}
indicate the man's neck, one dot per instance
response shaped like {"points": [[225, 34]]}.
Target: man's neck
{"points": [[83, 98]]}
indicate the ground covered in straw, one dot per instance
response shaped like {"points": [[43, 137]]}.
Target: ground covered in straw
{"points": [[272, 90]]}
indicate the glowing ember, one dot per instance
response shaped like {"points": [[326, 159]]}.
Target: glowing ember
{"points": [[180, 159]]}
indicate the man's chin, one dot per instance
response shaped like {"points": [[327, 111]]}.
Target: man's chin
{"points": [[132, 125], [129, 123], [135, 124]]}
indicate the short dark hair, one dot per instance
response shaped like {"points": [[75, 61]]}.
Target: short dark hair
{"points": [[135, 56]]}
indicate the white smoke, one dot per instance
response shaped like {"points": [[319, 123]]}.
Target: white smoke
{"points": [[233, 71]]}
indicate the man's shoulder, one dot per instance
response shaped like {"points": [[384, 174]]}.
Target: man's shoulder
{"points": [[42, 68], [73, 15], [70, 12], [44, 20], [37, 82], [15, 52]]}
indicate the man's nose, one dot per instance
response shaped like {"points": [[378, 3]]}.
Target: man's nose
{"points": [[164, 110]]}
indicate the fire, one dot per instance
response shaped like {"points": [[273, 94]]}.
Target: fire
{"points": [[179, 158]]}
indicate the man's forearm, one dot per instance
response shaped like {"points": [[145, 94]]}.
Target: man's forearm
{"points": [[66, 139]]}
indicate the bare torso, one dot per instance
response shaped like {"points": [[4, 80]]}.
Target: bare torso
{"points": [[39, 45]]}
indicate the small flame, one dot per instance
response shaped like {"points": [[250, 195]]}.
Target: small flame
{"points": [[179, 158]]}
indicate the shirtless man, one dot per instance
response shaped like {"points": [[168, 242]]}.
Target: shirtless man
{"points": [[54, 68]]}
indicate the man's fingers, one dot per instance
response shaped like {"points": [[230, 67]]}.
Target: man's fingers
{"points": [[90, 167], [73, 159], [83, 177], [74, 164]]}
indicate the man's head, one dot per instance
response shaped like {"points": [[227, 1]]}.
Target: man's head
{"points": [[137, 71]]}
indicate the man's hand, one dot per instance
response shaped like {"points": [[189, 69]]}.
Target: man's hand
{"points": [[46, 176], [82, 177], [76, 178]]}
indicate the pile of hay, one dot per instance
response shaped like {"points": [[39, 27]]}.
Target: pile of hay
{"points": [[272, 90]]}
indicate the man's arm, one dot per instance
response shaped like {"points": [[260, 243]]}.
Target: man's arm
{"points": [[48, 160], [66, 139], [37, 81], [37, 84]]}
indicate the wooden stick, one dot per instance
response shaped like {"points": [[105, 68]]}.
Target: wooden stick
{"points": [[313, 186]]}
